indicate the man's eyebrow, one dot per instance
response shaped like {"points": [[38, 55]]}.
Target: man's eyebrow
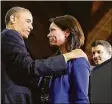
{"points": [[29, 19]]}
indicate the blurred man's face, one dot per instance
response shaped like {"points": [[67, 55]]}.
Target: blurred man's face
{"points": [[23, 23], [56, 36], [100, 54]]}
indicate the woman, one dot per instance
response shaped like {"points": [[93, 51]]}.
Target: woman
{"points": [[66, 34]]}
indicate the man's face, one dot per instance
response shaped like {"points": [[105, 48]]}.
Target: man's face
{"points": [[56, 35], [100, 54], [23, 23]]}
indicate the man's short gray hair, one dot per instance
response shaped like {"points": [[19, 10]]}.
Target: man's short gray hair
{"points": [[13, 11]]}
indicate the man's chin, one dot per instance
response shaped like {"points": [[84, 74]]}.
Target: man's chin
{"points": [[98, 63], [25, 36]]}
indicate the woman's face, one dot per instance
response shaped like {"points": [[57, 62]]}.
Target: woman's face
{"points": [[57, 37]]}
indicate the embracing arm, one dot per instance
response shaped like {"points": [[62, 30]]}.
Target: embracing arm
{"points": [[17, 58]]}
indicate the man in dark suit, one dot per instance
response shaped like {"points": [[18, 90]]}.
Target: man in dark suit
{"points": [[101, 53], [19, 70]]}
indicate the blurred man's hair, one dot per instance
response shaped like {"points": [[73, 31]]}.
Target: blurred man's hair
{"points": [[105, 44]]}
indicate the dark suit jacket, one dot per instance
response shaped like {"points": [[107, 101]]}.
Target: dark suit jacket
{"points": [[20, 71]]}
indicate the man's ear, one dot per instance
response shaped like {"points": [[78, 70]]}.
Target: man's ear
{"points": [[67, 33], [12, 19]]}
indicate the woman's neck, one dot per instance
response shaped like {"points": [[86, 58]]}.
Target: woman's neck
{"points": [[63, 49]]}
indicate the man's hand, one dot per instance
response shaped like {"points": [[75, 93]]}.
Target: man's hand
{"points": [[78, 53], [74, 54]]}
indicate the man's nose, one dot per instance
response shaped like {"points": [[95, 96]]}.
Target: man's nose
{"points": [[31, 27], [95, 55]]}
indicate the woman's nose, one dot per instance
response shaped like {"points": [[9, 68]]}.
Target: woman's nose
{"points": [[48, 35]]}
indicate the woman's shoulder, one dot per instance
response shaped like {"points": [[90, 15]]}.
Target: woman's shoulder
{"points": [[80, 60]]}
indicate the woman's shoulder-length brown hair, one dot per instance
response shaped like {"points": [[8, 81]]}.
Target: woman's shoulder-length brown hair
{"points": [[68, 22]]}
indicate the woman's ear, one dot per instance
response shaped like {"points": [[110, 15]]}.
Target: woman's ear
{"points": [[67, 33]]}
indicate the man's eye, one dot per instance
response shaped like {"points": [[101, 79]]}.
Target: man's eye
{"points": [[99, 52], [27, 21], [93, 53]]}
